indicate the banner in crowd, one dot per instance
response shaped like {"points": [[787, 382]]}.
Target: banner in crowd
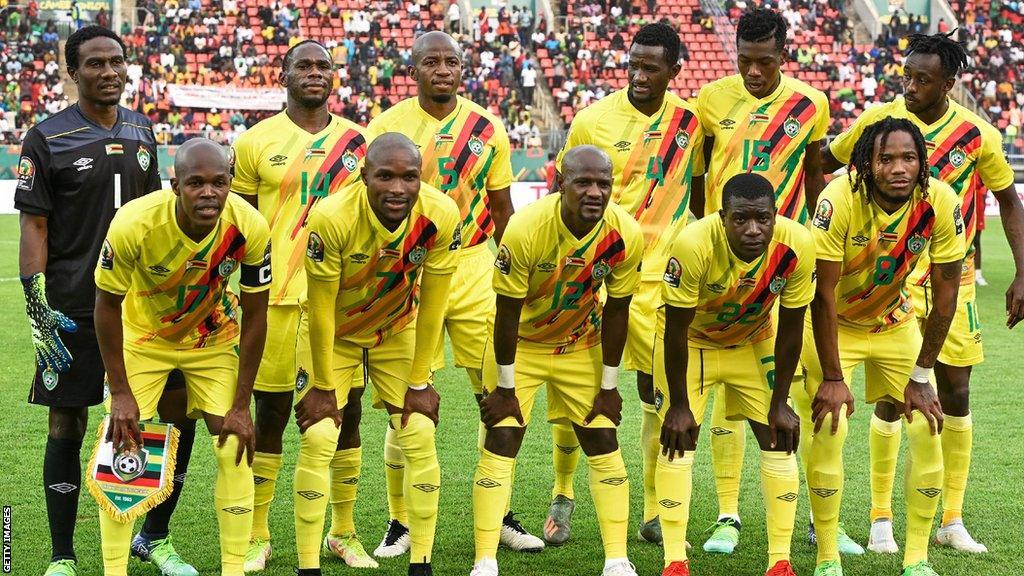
{"points": [[229, 97]]}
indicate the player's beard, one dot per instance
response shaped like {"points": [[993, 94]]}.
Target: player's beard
{"points": [[311, 102], [442, 98]]}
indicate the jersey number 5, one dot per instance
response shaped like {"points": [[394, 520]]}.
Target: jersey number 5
{"points": [[756, 155], [446, 170]]}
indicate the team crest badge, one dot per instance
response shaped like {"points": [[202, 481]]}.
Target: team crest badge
{"points": [[957, 157], [143, 158], [600, 270], [417, 254], [301, 379], [659, 399], [673, 272], [777, 284], [791, 126], [349, 161], [227, 267], [315, 248], [49, 378], [682, 139], [476, 146], [916, 243]]}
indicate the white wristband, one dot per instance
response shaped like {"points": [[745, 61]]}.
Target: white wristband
{"points": [[609, 377], [420, 387], [507, 376], [920, 375]]}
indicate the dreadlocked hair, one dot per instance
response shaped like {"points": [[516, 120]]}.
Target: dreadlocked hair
{"points": [[760, 24], [860, 167], [951, 53]]}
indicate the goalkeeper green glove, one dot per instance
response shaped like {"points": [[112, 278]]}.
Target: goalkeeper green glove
{"points": [[50, 351]]}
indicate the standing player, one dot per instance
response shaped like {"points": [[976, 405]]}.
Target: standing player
{"points": [[76, 169], [466, 154], [767, 123], [372, 250], [284, 165], [871, 229], [654, 141], [163, 303], [724, 277], [965, 152], [551, 264]]}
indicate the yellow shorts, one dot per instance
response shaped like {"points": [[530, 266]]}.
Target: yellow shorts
{"points": [[470, 307], [573, 380], [386, 366], [643, 317], [746, 375], [963, 342], [277, 368], [302, 371], [211, 377], [888, 358]]}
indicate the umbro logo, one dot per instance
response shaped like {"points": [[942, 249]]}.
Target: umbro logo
{"points": [[728, 123], [824, 492], [616, 481], [278, 160], [787, 497], [622, 145], [237, 510], [257, 480], [666, 503], [567, 449], [310, 494], [158, 270], [179, 478], [487, 483], [351, 481], [83, 164], [359, 258], [546, 267], [719, 431], [394, 466], [716, 287], [63, 487], [860, 240], [426, 487], [930, 492]]}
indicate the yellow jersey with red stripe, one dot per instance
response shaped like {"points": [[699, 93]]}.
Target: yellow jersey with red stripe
{"points": [[878, 250], [766, 136], [653, 159], [176, 289], [733, 298], [378, 270], [964, 151], [464, 154], [289, 169], [558, 276]]}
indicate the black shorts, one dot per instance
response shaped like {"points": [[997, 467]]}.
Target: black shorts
{"points": [[83, 384]]}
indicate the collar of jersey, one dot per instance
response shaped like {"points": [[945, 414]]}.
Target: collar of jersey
{"points": [[564, 230], [426, 115], [378, 226], [185, 237], [624, 94], [774, 94]]}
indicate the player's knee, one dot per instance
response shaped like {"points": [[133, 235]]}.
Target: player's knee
{"points": [[319, 441], [416, 439], [504, 441], [645, 387], [597, 441], [68, 423], [272, 412], [887, 411], [954, 388]]}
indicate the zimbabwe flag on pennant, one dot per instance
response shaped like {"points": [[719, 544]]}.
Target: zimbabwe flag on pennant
{"points": [[128, 483], [115, 149]]}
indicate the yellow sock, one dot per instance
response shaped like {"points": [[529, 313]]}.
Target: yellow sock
{"points": [[511, 481], [924, 485], [825, 484], [728, 440], [492, 487], [394, 477], [802, 406], [674, 483], [609, 487], [344, 485], [233, 498], [115, 540], [265, 467], [650, 442], [565, 455], [422, 482], [883, 450], [312, 481], [780, 485], [957, 439]]}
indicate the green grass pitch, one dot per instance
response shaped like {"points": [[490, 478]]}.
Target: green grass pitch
{"points": [[993, 508]]}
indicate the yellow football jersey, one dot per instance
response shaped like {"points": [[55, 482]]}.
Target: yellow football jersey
{"points": [[289, 169], [653, 159], [176, 290], [964, 151], [878, 251], [559, 276], [464, 156], [378, 269], [733, 298], [767, 136]]}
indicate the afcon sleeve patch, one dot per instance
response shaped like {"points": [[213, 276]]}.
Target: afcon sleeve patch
{"points": [[107, 256], [504, 260], [958, 219], [456, 239], [315, 248], [823, 215], [26, 173], [673, 272]]}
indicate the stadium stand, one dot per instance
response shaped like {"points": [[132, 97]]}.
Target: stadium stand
{"points": [[31, 71]]}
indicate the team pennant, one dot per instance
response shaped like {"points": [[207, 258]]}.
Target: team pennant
{"points": [[130, 482]]}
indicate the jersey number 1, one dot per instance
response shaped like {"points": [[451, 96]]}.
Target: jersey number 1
{"points": [[117, 191]]}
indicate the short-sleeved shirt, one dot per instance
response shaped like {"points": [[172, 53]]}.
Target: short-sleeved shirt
{"points": [[377, 269], [733, 298], [558, 276], [464, 154], [653, 159], [878, 251], [77, 174], [290, 169], [767, 136], [176, 289], [964, 151]]}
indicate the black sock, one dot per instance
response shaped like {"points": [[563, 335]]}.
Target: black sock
{"points": [[158, 519], [62, 479]]}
